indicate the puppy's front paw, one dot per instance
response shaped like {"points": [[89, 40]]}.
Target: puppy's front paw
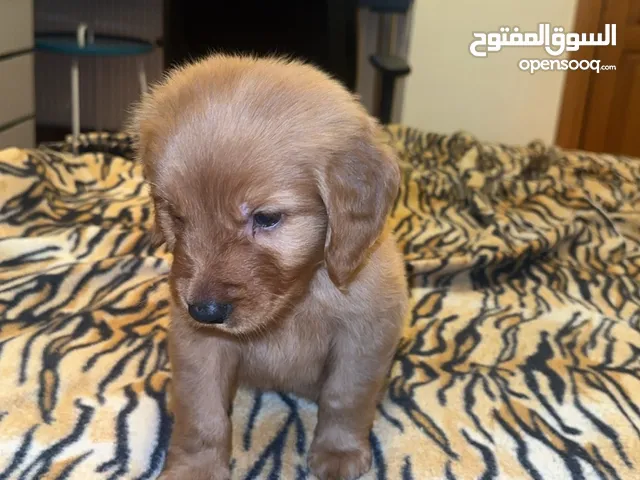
{"points": [[186, 472], [328, 464]]}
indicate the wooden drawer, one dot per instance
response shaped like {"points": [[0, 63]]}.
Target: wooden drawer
{"points": [[16, 25], [22, 135], [17, 95]]}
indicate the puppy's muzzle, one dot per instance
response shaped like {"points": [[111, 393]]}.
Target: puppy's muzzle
{"points": [[210, 312]]}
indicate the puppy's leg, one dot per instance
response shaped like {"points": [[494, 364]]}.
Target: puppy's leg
{"points": [[346, 411], [204, 370]]}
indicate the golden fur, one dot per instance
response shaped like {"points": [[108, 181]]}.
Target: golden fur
{"points": [[319, 299]]}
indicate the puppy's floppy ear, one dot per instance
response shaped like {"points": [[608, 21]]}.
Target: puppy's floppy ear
{"points": [[145, 126], [358, 188], [162, 230], [156, 233], [157, 238]]}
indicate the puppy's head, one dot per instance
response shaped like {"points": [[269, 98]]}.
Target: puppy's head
{"points": [[261, 172]]}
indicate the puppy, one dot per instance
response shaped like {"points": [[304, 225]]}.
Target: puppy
{"points": [[271, 189]]}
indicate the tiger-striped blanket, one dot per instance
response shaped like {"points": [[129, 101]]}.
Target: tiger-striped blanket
{"points": [[521, 358]]}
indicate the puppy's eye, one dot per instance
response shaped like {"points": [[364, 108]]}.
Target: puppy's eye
{"points": [[266, 220]]}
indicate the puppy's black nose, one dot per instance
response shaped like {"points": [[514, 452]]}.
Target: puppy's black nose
{"points": [[210, 312]]}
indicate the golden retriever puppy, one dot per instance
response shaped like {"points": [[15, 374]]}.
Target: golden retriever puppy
{"points": [[271, 189]]}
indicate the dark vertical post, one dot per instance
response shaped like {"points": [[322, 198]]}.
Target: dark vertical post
{"points": [[390, 68]]}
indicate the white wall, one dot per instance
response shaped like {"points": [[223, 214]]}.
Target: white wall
{"points": [[449, 89]]}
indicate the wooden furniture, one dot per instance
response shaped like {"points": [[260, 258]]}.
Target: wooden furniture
{"points": [[601, 111], [389, 66], [17, 85]]}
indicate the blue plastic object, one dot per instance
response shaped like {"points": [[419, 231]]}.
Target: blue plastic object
{"points": [[101, 46]]}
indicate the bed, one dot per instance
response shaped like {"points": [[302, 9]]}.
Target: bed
{"points": [[520, 359]]}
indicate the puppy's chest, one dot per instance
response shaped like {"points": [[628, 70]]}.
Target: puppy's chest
{"points": [[290, 361]]}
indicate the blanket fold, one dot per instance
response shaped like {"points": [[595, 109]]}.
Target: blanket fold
{"points": [[520, 358]]}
